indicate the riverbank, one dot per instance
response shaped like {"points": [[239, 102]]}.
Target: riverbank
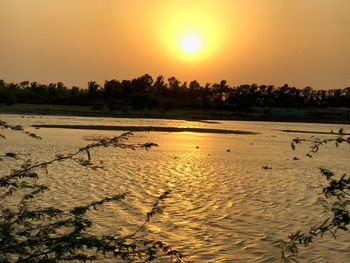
{"points": [[256, 114]]}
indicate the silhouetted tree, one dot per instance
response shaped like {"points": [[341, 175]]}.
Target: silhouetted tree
{"points": [[143, 92]]}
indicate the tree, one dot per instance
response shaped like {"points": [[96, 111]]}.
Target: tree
{"points": [[31, 233], [219, 91], [143, 92], [337, 192]]}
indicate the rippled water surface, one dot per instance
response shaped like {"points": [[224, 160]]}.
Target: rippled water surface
{"points": [[223, 207]]}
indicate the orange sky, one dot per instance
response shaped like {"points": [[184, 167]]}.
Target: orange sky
{"points": [[299, 42]]}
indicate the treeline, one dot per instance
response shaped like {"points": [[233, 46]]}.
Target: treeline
{"points": [[145, 92]]}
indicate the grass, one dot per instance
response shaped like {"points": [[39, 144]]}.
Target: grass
{"points": [[201, 115], [144, 129]]}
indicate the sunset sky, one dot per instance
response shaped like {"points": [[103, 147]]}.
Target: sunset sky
{"points": [[299, 42]]}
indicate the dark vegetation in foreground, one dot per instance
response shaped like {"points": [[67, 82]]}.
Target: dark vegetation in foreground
{"points": [[143, 128], [31, 233], [146, 93], [336, 202]]}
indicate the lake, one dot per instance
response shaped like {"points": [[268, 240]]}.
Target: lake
{"points": [[224, 205]]}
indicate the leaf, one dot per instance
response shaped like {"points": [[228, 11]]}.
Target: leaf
{"points": [[11, 155], [88, 155]]}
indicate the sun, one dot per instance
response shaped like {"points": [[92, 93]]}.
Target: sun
{"points": [[191, 43], [190, 36]]}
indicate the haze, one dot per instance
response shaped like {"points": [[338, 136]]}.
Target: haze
{"points": [[302, 43]]}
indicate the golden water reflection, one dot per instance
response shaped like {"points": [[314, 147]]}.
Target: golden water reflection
{"points": [[223, 206]]}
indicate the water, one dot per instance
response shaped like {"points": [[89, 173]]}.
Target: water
{"points": [[223, 207]]}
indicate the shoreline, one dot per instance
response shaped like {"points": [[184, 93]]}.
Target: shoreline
{"points": [[186, 114]]}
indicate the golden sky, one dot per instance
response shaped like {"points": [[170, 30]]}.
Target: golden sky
{"points": [[299, 42]]}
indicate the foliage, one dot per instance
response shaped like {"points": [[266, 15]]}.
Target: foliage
{"points": [[4, 125], [337, 191], [31, 233], [146, 93]]}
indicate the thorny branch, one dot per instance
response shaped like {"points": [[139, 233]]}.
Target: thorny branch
{"points": [[52, 235], [338, 189]]}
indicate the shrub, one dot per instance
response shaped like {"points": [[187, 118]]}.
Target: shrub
{"points": [[337, 192], [30, 233]]}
